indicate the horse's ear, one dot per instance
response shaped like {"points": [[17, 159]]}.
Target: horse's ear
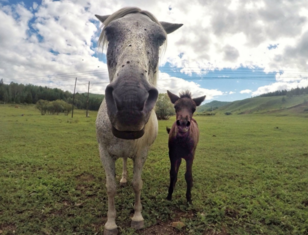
{"points": [[102, 18], [172, 97], [199, 100], [169, 28]]}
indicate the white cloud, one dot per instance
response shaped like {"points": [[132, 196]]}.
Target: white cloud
{"points": [[231, 92], [177, 85], [59, 37], [35, 5], [247, 91]]}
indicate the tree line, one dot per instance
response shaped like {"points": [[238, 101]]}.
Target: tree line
{"points": [[55, 101], [292, 92], [31, 94]]}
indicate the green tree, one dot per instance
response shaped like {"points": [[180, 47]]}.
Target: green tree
{"points": [[164, 107], [42, 105]]}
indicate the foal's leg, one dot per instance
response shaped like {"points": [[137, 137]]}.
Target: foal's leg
{"points": [[109, 166], [188, 178], [175, 165], [137, 220], [123, 180]]}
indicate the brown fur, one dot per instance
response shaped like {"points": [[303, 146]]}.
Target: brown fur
{"points": [[183, 139]]}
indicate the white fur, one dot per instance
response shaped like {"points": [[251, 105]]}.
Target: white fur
{"points": [[111, 148]]}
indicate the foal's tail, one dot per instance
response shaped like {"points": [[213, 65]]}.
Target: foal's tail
{"points": [[168, 129]]}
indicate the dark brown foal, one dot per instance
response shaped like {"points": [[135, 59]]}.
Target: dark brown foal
{"points": [[183, 139]]}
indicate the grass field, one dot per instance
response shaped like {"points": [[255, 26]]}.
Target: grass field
{"points": [[250, 177]]}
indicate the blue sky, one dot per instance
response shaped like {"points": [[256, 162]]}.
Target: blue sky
{"points": [[227, 50]]}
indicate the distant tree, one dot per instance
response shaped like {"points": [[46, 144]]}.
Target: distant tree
{"points": [[28, 99], [42, 105], [164, 107], [53, 107]]}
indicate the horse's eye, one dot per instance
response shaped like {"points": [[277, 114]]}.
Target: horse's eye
{"points": [[161, 39], [193, 110], [109, 31]]}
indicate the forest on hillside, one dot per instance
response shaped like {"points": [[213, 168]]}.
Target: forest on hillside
{"points": [[292, 92], [31, 94]]}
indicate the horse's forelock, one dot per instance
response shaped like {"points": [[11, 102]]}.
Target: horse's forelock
{"points": [[185, 94], [119, 14]]}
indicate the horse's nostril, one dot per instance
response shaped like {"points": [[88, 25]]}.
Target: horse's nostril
{"points": [[151, 100], [178, 123], [188, 123], [140, 106], [108, 93]]}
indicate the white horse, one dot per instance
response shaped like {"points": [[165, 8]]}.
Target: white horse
{"points": [[126, 123]]}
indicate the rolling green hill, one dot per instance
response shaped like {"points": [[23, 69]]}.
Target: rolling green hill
{"points": [[281, 105], [211, 106]]}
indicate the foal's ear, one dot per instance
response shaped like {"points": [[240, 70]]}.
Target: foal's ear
{"points": [[199, 100], [172, 97], [102, 18], [169, 28]]}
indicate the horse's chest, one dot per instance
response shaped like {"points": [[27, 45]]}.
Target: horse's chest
{"points": [[122, 149], [182, 147]]}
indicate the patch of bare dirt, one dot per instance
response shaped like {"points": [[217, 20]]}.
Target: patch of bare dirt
{"points": [[85, 177], [7, 228]]}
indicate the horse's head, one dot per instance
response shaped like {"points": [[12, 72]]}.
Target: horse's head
{"points": [[184, 107], [134, 38]]}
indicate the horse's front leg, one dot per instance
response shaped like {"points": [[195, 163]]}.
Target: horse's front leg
{"points": [[189, 178], [137, 220], [175, 165], [109, 166], [123, 180]]}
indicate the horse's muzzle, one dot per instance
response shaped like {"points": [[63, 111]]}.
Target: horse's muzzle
{"points": [[129, 106]]}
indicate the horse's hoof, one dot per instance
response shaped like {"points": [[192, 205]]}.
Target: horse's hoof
{"points": [[169, 198], [137, 224], [110, 231]]}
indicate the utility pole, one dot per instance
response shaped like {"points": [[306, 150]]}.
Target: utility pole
{"points": [[87, 113], [74, 98]]}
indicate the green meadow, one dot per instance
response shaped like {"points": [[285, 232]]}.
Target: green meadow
{"points": [[250, 177]]}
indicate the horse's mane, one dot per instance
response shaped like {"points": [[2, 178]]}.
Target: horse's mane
{"points": [[185, 94], [119, 14]]}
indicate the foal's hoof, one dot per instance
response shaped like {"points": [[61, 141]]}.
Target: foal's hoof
{"points": [[137, 224], [110, 231]]}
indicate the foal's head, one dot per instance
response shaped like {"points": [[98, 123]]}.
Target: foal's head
{"points": [[184, 107]]}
